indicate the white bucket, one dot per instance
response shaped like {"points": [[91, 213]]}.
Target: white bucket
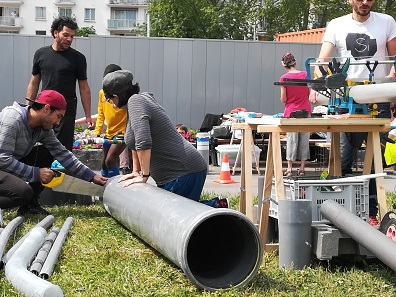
{"points": [[203, 145]]}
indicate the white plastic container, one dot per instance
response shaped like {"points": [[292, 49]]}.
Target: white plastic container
{"points": [[232, 151], [203, 145]]}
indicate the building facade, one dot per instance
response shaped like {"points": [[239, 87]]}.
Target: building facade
{"points": [[108, 17]]}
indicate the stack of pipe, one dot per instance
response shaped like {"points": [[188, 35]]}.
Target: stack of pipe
{"points": [[37, 250]]}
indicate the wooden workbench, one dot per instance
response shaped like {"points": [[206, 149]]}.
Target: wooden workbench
{"points": [[275, 126]]}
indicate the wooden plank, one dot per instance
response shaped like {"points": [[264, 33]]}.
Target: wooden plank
{"points": [[378, 168], [270, 247], [316, 121], [322, 127]]}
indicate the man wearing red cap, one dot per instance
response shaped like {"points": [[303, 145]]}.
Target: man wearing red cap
{"points": [[22, 161]]}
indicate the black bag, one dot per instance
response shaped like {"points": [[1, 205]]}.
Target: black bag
{"points": [[209, 121], [299, 114], [222, 132]]}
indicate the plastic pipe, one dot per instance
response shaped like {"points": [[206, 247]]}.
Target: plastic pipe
{"points": [[294, 221], [215, 248], [45, 223], [49, 264], [16, 269], [5, 235], [42, 254], [373, 93], [369, 237]]}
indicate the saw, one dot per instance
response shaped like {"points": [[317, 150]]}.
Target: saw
{"points": [[62, 182]]}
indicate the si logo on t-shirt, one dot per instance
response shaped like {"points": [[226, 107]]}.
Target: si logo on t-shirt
{"points": [[361, 45]]}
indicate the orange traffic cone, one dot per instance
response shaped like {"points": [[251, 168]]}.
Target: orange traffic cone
{"points": [[225, 176]]}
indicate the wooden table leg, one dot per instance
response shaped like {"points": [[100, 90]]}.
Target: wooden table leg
{"points": [[269, 172], [369, 155], [335, 155], [378, 168], [242, 200], [246, 201], [247, 151], [277, 157]]}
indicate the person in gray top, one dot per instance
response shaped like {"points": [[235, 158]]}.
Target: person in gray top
{"points": [[27, 147], [157, 148]]}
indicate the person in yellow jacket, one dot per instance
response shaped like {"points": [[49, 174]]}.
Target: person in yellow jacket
{"points": [[115, 119]]}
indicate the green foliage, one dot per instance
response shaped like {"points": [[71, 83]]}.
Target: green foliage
{"points": [[85, 31], [233, 19], [282, 16]]}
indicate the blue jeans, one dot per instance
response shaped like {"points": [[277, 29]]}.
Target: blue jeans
{"points": [[189, 186]]}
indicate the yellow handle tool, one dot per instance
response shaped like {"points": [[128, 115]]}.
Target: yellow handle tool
{"points": [[56, 180]]}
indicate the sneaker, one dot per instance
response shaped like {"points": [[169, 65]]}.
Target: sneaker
{"points": [[32, 209], [126, 170], [223, 203], [373, 221]]}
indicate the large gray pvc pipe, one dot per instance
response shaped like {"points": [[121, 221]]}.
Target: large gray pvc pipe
{"points": [[295, 244], [49, 264], [215, 248], [16, 269], [375, 241], [5, 235], [45, 223]]}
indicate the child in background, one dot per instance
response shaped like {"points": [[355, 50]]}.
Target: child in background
{"points": [[182, 129], [115, 129]]}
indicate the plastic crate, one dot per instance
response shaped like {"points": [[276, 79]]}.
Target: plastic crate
{"points": [[353, 195], [232, 151]]}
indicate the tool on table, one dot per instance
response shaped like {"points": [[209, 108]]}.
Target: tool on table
{"points": [[62, 182], [342, 93]]}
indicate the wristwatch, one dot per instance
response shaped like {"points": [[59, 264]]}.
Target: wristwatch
{"points": [[144, 175]]}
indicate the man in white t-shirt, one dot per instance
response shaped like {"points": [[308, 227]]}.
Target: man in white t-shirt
{"points": [[360, 35]]}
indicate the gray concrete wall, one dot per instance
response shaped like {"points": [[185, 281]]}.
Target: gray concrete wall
{"points": [[189, 77]]}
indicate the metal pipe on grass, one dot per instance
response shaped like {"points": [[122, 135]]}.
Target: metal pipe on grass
{"points": [[371, 238], [42, 254], [215, 248], [45, 223], [16, 268], [6, 233], [49, 264]]}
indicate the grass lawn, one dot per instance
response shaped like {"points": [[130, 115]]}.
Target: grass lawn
{"points": [[102, 258]]}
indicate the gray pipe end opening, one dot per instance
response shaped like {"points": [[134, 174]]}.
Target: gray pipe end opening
{"points": [[224, 250]]}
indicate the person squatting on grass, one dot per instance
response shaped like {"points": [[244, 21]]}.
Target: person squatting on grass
{"points": [[157, 148], [28, 146]]}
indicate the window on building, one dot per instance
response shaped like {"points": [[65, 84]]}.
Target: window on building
{"points": [[41, 13], [66, 12], [89, 14], [40, 32], [125, 15]]}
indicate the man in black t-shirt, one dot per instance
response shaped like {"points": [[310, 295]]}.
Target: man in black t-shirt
{"points": [[58, 67]]}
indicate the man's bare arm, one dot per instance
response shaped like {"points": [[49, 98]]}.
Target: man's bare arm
{"points": [[85, 93], [32, 89], [391, 48]]}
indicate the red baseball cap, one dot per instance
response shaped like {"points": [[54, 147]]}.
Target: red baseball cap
{"points": [[52, 98]]}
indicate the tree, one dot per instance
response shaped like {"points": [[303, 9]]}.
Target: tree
{"points": [[283, 16], [85, 31], [213, 19]]}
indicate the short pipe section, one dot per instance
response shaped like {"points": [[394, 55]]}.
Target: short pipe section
{"points": [[222, 250]]}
